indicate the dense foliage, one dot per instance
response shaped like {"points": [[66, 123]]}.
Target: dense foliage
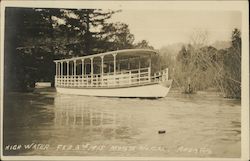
{"points": [[201, 67], [35, 37]]}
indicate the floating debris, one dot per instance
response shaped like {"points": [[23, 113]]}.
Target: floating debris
{"points": [[161, 132]]}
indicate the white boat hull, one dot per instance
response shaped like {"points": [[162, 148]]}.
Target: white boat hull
{"points": [[144, 91]]}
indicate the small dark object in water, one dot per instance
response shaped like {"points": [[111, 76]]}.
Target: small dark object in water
{"points": [[161, 132]]}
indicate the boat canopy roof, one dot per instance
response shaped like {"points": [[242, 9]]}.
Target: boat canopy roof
{"points": [[120, 54]]}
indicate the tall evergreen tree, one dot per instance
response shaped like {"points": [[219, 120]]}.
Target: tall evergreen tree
{"points": [[35, 37], [116, 36], [232, 67], [26, 32], [86, 25]]}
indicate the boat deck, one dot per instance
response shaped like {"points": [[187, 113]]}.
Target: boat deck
{"points": [[123, 78]]}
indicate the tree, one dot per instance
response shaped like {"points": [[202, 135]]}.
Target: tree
{"points": [[35, 37], [199, 38], [144, 44], [199, 66], [116, 36], [86, 26], [184, 56], [184, 70], [194, 69], [232, 67], [25, 30]]}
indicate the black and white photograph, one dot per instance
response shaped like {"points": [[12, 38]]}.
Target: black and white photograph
{"points": [[132, 80]]}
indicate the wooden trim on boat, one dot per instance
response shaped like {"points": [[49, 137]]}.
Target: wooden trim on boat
{"points": [[113, 87], [144, 91], [108, 53]]}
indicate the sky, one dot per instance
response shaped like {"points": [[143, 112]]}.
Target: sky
{"points": [[164, 27]]}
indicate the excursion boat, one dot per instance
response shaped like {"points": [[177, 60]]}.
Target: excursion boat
{"points": [[121, 73]]}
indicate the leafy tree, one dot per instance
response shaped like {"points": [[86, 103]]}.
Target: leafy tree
{"points": [[144, 44], [199, 67], [184, 56], [183, 70]]}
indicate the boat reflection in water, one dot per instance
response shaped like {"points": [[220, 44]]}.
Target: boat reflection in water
{"points": [[203, 122], [91, 115]]}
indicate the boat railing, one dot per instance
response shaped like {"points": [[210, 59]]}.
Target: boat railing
{"points": [[119, 78], [160, 76]]}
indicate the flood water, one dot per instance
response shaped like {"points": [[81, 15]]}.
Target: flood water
{"points": [[50, 124]]}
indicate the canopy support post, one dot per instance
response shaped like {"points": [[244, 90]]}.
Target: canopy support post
{"points": [[150, 62], [82, 67], [74, 68], [85, 69], [102, 57], [59, 69], [139, 63], [56, 70], [82, 72], [114, 55], [67, 73], [92, 71], [149, 69], [56, 77], [62, 81], [62, 68], [74, 72], [128, 63], [139, 71], [67, 68]]}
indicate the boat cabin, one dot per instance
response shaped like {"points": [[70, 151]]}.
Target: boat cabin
{"points": [[122, 68]]}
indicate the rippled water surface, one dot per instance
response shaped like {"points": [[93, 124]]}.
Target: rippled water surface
{"points": [[47, 123]]}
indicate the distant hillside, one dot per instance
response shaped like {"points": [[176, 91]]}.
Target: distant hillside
{"points": [[171, 49], [221, 44]]}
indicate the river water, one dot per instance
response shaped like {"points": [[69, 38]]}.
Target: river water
{"points": [[50, 124]]}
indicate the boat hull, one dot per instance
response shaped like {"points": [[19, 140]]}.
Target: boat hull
{"points": [[143, 91]]}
